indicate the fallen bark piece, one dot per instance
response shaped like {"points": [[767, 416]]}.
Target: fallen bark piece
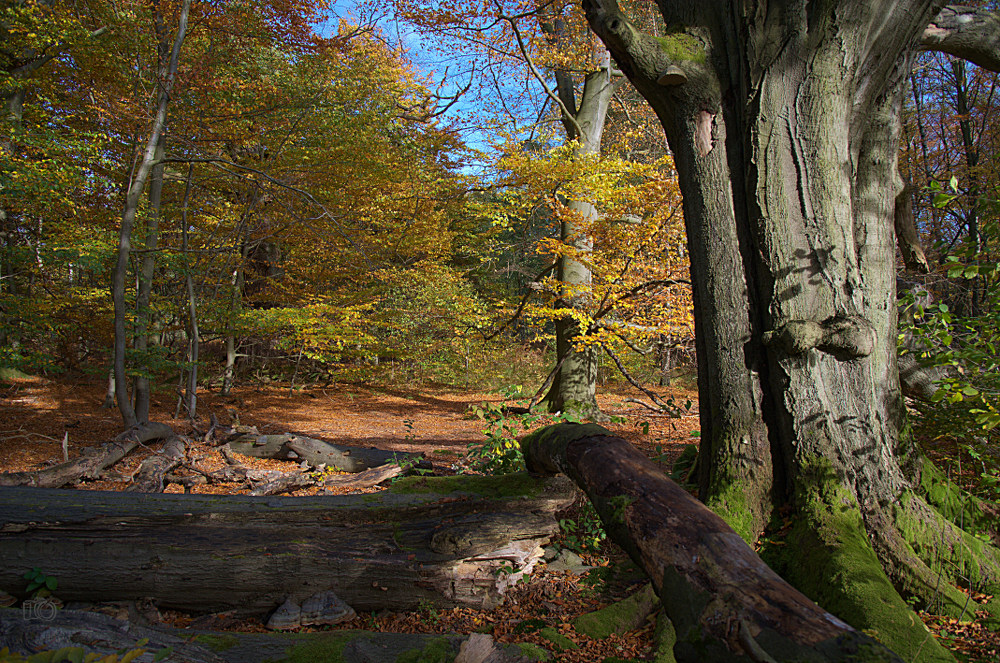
{"points": [[480, 648], [151, 473], [319, 452], [443, 540], [90, 466], [722, 599], [372, 477], [285, 483]]}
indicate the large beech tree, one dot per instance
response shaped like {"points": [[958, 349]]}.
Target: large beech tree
{"points": [[784, 121]]}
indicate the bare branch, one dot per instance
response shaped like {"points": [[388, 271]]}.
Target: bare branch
{"points": [[567, 113], [663, 405]]}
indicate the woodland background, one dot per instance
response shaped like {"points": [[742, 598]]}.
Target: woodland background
{"points": [[291, 192]]}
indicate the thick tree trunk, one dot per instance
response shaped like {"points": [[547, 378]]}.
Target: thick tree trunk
{"points": [[724, 601], [784, 124], [442, 540]]}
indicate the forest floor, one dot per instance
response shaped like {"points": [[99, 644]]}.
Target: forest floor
{"points": [[36, 414]]}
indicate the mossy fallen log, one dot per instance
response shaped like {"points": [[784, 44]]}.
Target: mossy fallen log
{"points": [[441, 540], [105, 635], [723, 601]]}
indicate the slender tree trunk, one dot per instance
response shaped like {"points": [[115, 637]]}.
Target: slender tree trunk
{"points": [[971, 154], [191, 390], [229, 372], [574, 386], [784, 123], [135, 189], [143, 312]]}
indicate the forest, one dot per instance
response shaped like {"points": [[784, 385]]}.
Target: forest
{"points": [[499, 331]]}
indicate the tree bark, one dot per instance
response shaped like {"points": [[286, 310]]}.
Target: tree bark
{"points": [[784, 120], [149, 477], [194, 337], [442, 540], [303, 478], [723, 601], [135, 190], [574, 386], [144, 292]]}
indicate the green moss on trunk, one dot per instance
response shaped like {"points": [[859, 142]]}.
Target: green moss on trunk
{"points": [[664, 637], [965, 510], [680, 46], [827, 555], [959, 557]]}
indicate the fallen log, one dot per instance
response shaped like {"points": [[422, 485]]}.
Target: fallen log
{"points": [[106, 635], [149, 478], [442, 540], [290, 481], [722, 599], [318, 452], [89, 466]]}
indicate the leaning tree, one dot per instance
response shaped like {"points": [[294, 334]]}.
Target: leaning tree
{"points": [[784, 121]]}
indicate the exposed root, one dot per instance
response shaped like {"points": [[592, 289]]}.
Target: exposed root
{"points": [[828, 556], [957, 505], [932, 590]]}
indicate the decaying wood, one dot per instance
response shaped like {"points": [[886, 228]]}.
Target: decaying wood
{"points": [[107, 635], [713, 587], [89, 466], [907, 237], [422, 540], [318, 452], [289, 481], [149, 478]]}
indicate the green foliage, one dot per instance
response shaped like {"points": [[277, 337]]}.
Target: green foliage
{"points": [[39, 584], [78, 655], [501, 453], [585, 533]]}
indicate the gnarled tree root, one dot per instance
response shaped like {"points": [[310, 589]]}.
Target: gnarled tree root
{"points": [[827, 555]]}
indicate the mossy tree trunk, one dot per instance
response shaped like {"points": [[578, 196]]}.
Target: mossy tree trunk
{"points": [[784, 123]]}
